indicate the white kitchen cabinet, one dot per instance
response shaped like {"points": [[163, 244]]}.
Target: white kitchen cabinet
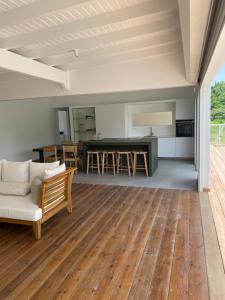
{"points": [[185, 147], [185, 109], [111, 120], [167, 147]]}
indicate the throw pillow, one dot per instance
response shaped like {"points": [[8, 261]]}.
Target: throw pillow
{"points": [[38, 169], [15, 171], [14, 188], [55, 171]]}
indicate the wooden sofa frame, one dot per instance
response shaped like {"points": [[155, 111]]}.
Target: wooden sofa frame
{"points": [[55, 195]]}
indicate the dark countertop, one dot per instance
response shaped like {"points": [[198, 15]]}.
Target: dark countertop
{"points": [[145, 140]]}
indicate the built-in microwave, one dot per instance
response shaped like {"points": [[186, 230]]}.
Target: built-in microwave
{"points": [[185, 128]]}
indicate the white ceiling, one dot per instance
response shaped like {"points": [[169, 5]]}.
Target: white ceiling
{"points": [[101, 30]]}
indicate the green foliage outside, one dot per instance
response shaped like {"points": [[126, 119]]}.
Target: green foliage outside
{"points": [[218, 113], [218, 103]]}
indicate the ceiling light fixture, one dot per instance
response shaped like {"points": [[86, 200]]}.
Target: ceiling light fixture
{"points": [[76, 52]]}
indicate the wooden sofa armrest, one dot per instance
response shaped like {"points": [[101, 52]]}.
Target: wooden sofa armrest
{"points": [[55, 194]]}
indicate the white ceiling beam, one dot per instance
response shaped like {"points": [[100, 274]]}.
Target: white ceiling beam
{"points": [[35, 9], [136, 54], [144, 41], [17, 63], [194, 21], [152, 27], [144, 9]]}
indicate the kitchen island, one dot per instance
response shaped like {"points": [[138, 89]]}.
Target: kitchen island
{"points": [[148, 144]]}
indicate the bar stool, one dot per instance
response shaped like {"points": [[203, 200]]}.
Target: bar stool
{"points": [[140, 167], [90, 155], [105, 161], [120, 156]]}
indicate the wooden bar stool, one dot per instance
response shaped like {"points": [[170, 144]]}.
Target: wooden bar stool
{"points": [[120, 156], [105, 161], [90, 156], [140, 167]]}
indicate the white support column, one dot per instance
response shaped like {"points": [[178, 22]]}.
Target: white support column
{"points": [[204, 137]]}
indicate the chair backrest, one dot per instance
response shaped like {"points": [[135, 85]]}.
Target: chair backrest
{"points": [[68, 143], [71, 150], [50, 153]]}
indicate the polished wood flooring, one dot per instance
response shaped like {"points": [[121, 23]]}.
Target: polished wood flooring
{"points": [[119, 243]]}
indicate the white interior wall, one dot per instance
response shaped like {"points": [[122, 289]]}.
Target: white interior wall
{"points": [[25, 125]]}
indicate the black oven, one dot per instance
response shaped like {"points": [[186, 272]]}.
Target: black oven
{"points": [[184, 128]]}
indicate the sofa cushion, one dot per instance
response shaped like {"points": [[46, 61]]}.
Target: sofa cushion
{"points": [[15, 171], [35, 189], [1, 169], [19, 207], [1, 162], [55, 171], [14, 188], [38, 169]]}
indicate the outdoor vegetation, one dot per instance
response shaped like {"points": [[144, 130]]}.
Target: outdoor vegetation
{"points": [[218, 113]]}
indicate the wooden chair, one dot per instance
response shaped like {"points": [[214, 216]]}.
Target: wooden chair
{"points": [[140, 167], [50, 153], [70, 155], [121, 155]]}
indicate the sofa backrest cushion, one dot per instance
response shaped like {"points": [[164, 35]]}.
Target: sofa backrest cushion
{"points": [[55, 171], [1, 162], [0, 170], [38, 169], [14, 188], [35, 189], [15, 171]]}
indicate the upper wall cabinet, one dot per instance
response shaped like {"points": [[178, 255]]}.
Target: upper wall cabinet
{"points": [[185, 109], [111, 120]]}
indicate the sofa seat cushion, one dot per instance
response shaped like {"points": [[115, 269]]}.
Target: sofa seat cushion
{"points": [[19, 207], [14, 188]]}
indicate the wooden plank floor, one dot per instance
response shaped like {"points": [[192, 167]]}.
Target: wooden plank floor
{"points": [[217, 193], [119, 243]]}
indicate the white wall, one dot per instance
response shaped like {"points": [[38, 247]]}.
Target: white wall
{"points": [[111, 120], [25, 125]]}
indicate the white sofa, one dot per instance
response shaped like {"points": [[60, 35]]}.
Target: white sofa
{"points": [[30, 193]]}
